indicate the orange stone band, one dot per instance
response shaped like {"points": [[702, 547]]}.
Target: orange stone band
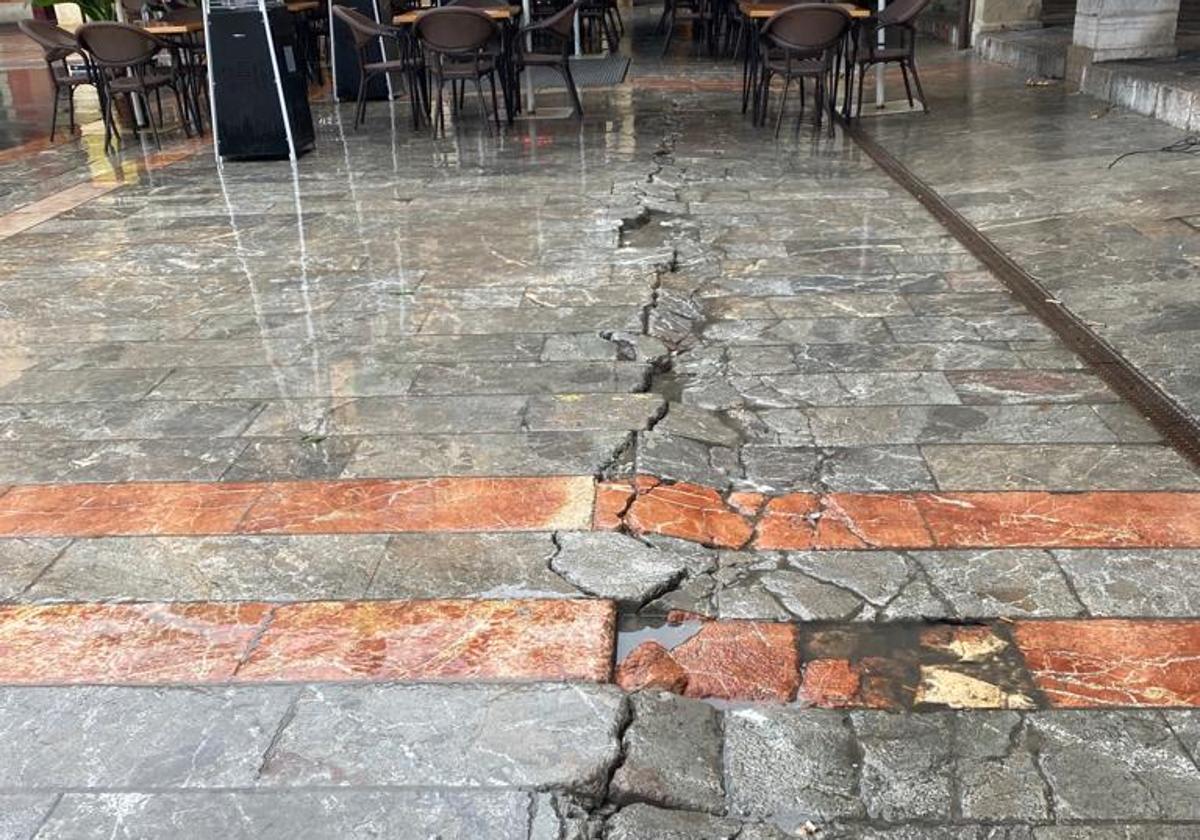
{"points": [[645, 505], [217, 642]]}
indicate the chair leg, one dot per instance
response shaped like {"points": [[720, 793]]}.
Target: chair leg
{"points": [[571, 89], [787, 82], [360, 104], [912, 65], [54, 112], [150, 118], [495, 101], [71, 108], [907, 87], [862, 76]]}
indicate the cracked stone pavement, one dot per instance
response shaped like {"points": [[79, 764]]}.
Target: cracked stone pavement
{"points": [[643, 479]]}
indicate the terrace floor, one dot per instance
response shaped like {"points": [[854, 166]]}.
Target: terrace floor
{"points": [[641, 478]]}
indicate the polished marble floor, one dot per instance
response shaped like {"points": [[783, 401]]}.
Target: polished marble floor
{"points": [[640, 477]]}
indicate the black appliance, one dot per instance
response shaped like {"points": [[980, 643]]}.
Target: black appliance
{"points": [[245, 95]]}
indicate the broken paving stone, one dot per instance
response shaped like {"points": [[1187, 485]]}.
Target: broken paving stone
{"points": [[830, 683], [726, 660], [650, 666], [791, 766], [997, 777], [741, 660], [617, 567], [672, 755], [644, 822], [698, 424], [906, 765]]}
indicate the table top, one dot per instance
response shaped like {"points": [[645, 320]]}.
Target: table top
{"points": [[766, 9], [162, 27], [494, 12], [302, 5]]}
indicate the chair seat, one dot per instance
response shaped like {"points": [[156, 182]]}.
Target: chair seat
{"points": [[152, 79], [542, 59], [885, 54], [467, 69], [799, 67], [392, 64]]}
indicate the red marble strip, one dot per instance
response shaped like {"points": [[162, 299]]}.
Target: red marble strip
{"points": [[126, 643], [149, 644], [437, 640], [1090, 663], [309, 507], [98, 510]]}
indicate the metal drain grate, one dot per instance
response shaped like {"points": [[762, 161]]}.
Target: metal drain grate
{"points": [[607, 71]]}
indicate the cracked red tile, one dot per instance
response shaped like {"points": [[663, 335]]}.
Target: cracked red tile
{"points": [[436, 640], [842, 520], [830, 684], [1087, 663], [651, 666], [741, 660], [688, 511], [612, 500]]}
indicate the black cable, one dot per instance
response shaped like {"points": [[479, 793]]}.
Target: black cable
{"points": [[1189, 145]]}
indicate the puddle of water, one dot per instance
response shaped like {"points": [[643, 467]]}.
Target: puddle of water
{"points": [[632, 631]]}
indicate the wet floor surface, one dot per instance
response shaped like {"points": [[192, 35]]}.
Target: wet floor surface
{"points": [[639, 478]]}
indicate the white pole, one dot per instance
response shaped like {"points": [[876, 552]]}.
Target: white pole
{"points": [[526, 19], [283, 110], [212, 97], [881, 42]]}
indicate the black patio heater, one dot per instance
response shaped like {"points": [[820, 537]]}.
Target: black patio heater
{"points": [[259, 87]]}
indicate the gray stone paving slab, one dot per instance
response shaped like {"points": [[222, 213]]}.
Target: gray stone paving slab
{"points": [[672, 755], [22, 813], [998, 778], [1059, 467], [469, 566], [212, 569], [792, 767], [389, 415], [560, 736], [645, 822], [959, 424], [136, 737], [127, 420], [282, 815], [1160, 583], [278, 382], [592, 412], [1005, 582], [906, 766], [1116, 766], [525, 453], [23, 560], [530, 378], [312, 457]]}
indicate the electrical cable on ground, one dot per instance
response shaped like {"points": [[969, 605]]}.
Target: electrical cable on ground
{"points": [[1189, 145]]}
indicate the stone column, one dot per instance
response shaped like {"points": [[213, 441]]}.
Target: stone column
{"points": [[1110, 30], [993, 15]]}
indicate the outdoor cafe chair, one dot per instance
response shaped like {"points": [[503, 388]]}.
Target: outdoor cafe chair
{"points": [[367, 34], [898, 16], [559, 29], [459, 45], [57, 46], [122, 60], [798, 43]]}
